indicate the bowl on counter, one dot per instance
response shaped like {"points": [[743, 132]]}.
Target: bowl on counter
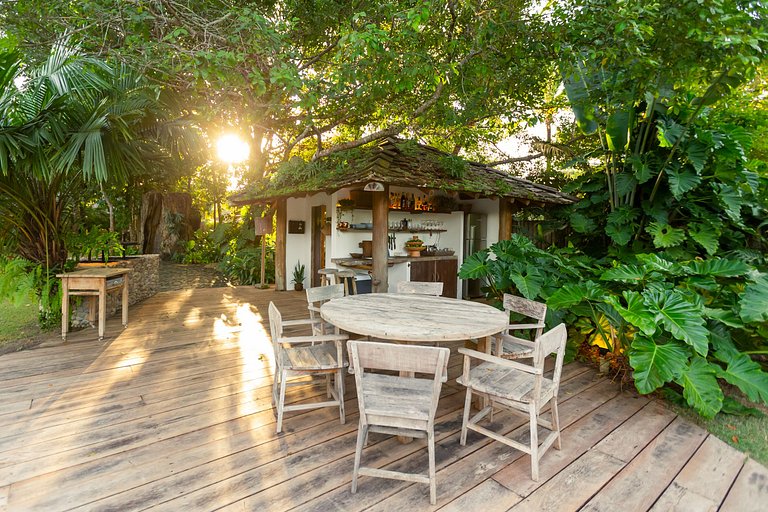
{"points": [[356, 255]]}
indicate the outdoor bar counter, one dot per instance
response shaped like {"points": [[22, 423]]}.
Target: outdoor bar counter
{"points": [[365, 263]]}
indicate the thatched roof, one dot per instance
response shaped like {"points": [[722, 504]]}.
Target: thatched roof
{"points": [[401, 163]]}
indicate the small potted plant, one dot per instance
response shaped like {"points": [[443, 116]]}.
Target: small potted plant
{"points": [[298, 277], [414, 246]]}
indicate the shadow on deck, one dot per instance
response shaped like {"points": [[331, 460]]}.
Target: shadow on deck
{"points": [[174, 413]]}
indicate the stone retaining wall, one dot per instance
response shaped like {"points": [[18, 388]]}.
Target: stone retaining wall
{"points": [[143, 283]]}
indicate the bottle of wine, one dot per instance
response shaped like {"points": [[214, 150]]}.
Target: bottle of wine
{"points": [[402, 201]]}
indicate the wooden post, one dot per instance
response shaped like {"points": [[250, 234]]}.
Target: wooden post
{"points": [[505, 218], [380, 231], [281, 224]]}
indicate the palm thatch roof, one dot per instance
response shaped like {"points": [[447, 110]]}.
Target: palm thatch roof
{"points": [[401, 163]]}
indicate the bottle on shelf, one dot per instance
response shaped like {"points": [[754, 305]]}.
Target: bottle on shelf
{"points": [[402, 201]]}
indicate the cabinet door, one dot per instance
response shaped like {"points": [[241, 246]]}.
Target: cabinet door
{"points": [[445, 272], [423, 271]]}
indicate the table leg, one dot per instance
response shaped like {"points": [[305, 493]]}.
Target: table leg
{"points": [[125, 300], [102, 307], [483, 345], [64, 308]]}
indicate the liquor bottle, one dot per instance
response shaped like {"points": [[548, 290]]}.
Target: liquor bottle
{"points": [[402, 201]]}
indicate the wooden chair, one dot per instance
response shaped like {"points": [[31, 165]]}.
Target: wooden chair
{"points": [[316, 297], [420, 288], [520, 388], [348, 278], [305, 355], [515, 347], [397, 405]]}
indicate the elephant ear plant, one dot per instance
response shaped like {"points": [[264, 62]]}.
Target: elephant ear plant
{"points": [[686, 326]]}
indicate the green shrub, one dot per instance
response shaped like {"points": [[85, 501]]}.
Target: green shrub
{"points": [[684, 325]]}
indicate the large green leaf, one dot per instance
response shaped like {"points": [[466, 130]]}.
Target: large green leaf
{"points": [[621, 234], [572, 294], [745, 374], [726, 316], [655, 365], [636, 312], [475, 266], [731, 200], [706, 236], [581, 223], [697, 154], [578, 96], [665, 235], [624, 273], [669, 132], [681, 182], [617, 130], [700, 387], [656, 262], [718, 267], [683, 319], [528, 282], [754, 301]]}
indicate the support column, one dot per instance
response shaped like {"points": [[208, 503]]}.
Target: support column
{"points": [[505, 218], [380, 231], [281, 225]]}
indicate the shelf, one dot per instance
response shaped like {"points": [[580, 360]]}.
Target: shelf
{"points": [[410, 212], [395, 230]]}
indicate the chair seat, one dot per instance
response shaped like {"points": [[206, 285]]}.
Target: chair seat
{"points": [[396, 397], [497, 380], [514, 348], [314, 357]]}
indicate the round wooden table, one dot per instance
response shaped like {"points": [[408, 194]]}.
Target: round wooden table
{"points": [[414, 318]]}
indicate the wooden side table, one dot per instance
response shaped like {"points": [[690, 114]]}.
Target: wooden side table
{"points": [[93, 283]]}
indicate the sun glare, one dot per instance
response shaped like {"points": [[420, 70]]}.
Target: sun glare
{"points": [[232, 149]]}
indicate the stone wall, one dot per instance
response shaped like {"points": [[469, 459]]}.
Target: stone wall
{"points": [[143, 283]]}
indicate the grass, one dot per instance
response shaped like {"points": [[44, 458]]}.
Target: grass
{"points": [[748, 434], [18, 326]]}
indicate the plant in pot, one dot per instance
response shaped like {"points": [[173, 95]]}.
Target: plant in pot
{"points": [[414, 246], [298, 277]]}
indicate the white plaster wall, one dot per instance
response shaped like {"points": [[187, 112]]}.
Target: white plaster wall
{"points": [[298, 248]]}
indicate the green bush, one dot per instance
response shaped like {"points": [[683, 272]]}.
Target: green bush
{"points": [[684, 325]]}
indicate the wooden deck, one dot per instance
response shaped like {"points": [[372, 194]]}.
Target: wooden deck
{"points": [[174, 413]]}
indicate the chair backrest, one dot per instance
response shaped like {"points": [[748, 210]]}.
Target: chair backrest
{"points": [[552, 341], [275, 325], [370, 355], [420, 287], [317, 296], [529, 308], [398, 357], [348, 278]]}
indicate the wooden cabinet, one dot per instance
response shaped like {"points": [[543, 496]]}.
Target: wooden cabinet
{"points": [[437, 271]]}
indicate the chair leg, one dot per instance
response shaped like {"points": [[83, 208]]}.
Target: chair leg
{"points": [[362, 435], [328, 385], [340, 394], [556, 422], [275, 384], [281, 402], [534, 426], [465, 420], [432, 479]]}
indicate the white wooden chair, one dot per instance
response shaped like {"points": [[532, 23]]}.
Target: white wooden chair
{"points": [[348, 278], [420, 288], [397, 405], [316, 297], [509, 346], [520, 388], [305, 355]]}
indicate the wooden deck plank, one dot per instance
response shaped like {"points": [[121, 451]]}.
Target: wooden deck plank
{"points": [[174, 413], [489, 494], [462, 466], [750, 490], [646, 477], [576, 440], [705, 480]]}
